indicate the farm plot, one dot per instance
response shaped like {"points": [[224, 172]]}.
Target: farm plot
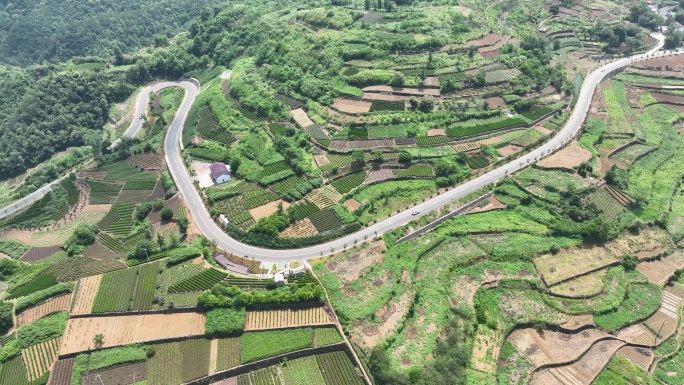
{"points": [[299, 229], [39, 253], [338, 369], [325, 220], [548, 347], [237, 209], [316, 132], [629, 154], [417, 171], [266, 376], [258, 345], [268, 209], [14, 372], [228, 353], [609, 206], [569, 157], [52, 305], [102, 193], [348, 183], [337, 161], [570, 263], [115, 291], [302, 371], [351, 106], [85, 294], [140, 185], [129, 329], [163, 368], [379, 175], [285, 318], [432, 140], [61, 372], [549, 184], [583, 371], [119, 221], [586, 285], [481, 126], [660, 270], [301, 117], [60, 235], [133, 196], [123, 375], [287, 185], [200, 282], [145, 286], [322, 198], [486, 349], [195, 358], [248, 283], [640, 356], [303, 209], [123, 171], [40, 282], [149, 161], [39, 358], [327, 336]]}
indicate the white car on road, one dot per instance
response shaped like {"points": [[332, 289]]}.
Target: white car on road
{"points": [[415, 212]]}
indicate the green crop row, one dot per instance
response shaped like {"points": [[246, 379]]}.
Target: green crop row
{"points": [[40, 282], [200, 282], [302, 209], [480, 126], [325, 220], [419, 171], [140, 185], [432, 140], [350, 182], [257, 345], [115, 291], [145, 286]]}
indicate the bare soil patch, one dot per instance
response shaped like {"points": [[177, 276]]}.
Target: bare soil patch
{"points": [[38, 253], [483, 41], [586, 369], [202, 173], [99, 252], [640, 356], [571, 262], [659, 270], [436, 132], [321, 159], [129, 329], [547, 347], [52, 305], [490, 54], [638, 334], [649, 242], [496, 101], [349, 266], [301, 117], [23, 236], [120, 375], [351, 106], [489, 204], [574, 322], [508, 150], [384, 97], [267, 209], [97, 208], [543, 130], [378, 175], [352, 204], [569, 157], [668, 98], [432, 81], [403, 90], [671, 61], [85, 294]]}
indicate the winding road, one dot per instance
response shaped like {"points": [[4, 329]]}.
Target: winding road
{"points": [[213, 232], [173, 147]]}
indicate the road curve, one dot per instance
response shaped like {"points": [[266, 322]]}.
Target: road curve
{"points": [[213, 232]]}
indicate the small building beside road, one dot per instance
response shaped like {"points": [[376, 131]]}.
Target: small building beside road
{"points": [[220, 173]]}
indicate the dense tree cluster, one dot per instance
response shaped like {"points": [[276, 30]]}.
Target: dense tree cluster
{"points": [[226, 296], [56, 30]]}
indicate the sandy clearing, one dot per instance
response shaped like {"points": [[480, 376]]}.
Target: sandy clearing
{"points": [[550, 347], [436, 132], [202, 173], [301, 117], [97, 208], [352, 204], [351, 106], [129, 329], [508, 150], [267, 209], [569, 157], [350, 268]]}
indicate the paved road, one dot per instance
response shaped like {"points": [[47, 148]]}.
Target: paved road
{"points": [[213, 232], [132, 131]]}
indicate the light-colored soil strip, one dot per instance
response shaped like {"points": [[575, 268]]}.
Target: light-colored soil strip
{"points": [[640, 356], [301, 117], [281, 318], [659, 270], [213, 356], [129, 329], [570, 263], [267, 209], [85, 294], [299, 229], [52, 305]]}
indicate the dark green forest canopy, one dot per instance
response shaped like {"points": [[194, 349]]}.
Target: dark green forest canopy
{"points": [[33, 31], [44, 111]]}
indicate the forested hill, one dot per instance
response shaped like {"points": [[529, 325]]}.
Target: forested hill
{"points": [[33, 31]]}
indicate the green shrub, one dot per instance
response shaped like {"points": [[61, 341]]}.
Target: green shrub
{"points": [[225, 321], [181, 255], [6, 320], [42, 330], [12, 248]]}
